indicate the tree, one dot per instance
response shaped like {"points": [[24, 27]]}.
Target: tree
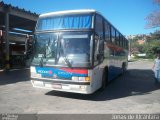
{"points": [[153, 19], [157, 1], [151, 46]]}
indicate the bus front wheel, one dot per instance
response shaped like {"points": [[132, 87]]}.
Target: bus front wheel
{"points": [[124, 68], [104, 79]]}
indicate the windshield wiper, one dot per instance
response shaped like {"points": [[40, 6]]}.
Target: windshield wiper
{"points": [[67, 61], [41, 61]]}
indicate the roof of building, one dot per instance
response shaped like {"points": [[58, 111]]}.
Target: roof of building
{"points": [[18, 17], [2, 4]]}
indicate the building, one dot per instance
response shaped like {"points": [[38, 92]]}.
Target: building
{"points": [[14, 23]]}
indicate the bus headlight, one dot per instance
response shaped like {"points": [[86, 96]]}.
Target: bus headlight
{"points": [[75, 78], [81, 78]]}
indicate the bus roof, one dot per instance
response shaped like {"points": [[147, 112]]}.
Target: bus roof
{"points": [[68, 12]]}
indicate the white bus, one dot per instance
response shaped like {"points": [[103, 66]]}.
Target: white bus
{"points": [[77, 51]]}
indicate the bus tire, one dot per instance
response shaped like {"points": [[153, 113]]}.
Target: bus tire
{"points": [[104, 79], [123, 68]]}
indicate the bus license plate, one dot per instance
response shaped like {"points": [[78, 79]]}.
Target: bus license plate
{"points": [[57, 86]]}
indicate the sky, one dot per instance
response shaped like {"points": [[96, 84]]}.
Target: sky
{"points": [[128, 16]]}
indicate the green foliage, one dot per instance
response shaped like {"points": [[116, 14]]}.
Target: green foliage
{"points": [[150, 47]]}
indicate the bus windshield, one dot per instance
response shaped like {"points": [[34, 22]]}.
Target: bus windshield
{"points": [[62, 49]]}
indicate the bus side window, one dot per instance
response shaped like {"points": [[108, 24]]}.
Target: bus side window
{"points": [[99, 40], [99, 26], [117, 38], [121, 41], [99, 50], [113, 34], [96, 49], [107, 31]]}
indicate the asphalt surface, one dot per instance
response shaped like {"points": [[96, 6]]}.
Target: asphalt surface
{"points": [[133, 92]]}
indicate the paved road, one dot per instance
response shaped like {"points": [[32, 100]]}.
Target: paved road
{"points": [[134, 92]]}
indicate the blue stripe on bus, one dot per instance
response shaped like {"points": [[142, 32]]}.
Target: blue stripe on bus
{"points": [[57, 73]]}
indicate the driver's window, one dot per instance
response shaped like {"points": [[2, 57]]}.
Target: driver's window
{"points": [[96, 50], [99, 40]]}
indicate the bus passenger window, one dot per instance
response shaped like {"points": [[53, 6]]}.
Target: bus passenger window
{"points": [[96, 50], [113, 35], [107, 31], [99, 26], [99, 50], [117, 38]]}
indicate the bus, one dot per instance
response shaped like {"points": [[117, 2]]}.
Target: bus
{"points": [[77, 51]]}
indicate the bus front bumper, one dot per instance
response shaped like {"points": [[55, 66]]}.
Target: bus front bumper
{"points": [[66, 86]]}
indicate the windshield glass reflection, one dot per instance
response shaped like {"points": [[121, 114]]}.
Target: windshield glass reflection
{"points": [[63, 49]]}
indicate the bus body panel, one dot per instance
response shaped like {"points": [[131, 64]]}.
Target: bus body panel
{"points": [[96, 79], [60, 79], [38, 79]]}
